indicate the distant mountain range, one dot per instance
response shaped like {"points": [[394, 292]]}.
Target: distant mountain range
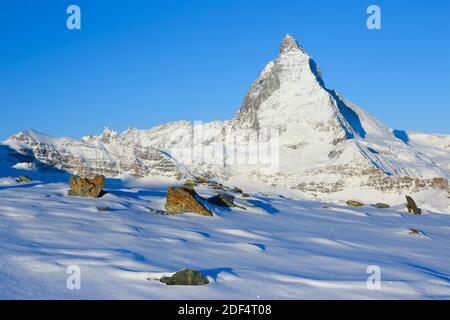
{"points": [[291, 131]]}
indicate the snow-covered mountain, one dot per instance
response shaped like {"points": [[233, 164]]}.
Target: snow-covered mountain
{"points": [[290, 131]]}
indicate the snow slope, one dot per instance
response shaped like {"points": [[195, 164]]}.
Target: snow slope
{"points": [[279, 248], [436, 146]]}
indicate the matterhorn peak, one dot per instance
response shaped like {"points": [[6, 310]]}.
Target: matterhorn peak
{"points": [[290, 44]]}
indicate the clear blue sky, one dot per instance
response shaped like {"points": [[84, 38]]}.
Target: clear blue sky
{"points": [[142, 62]]}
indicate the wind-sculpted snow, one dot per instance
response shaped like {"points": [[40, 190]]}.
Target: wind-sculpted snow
{"points": [[291, 131], [279, 248]]}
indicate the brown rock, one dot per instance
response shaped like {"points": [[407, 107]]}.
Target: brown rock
{"points": [[182, 200], [24, 179], [411, 206], [353, 203], [415, 232], [84, 187], [201, 180], [190, 184], [381, 205], [237, 190]]}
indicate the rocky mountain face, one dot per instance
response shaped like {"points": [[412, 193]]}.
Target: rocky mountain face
{"points": [[105, 155], [290, 131]]}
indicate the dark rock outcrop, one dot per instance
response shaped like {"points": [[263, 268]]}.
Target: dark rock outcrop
{"points": [[415, 232], [186, 277], [103, 209], [190, 184], [381, 205], [412, 206], [201, 180], [24, 179], [223, 200], [183, 200], [156, 211], [237, 190]]}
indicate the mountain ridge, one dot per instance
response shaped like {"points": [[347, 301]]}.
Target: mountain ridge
{"points": [[291, 131]]}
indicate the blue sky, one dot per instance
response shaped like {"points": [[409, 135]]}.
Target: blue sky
{"points": [[139, 62]]}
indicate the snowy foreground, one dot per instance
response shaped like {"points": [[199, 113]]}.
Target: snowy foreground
{"points": [[279, 248]]}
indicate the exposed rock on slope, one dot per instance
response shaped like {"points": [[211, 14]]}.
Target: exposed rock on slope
{"points": [[412, 206], [354, 203], [184, 200], [84, 187], [223, 200], [186, 277]]}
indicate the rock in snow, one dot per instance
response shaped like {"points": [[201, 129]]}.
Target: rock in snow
{"points": [[381, 205], [223, 200], [186, 277], [84, 187], [24, 179], [184, 200], [412, 206], [354, 203]]}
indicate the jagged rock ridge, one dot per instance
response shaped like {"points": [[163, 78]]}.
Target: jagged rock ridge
{"points": [[290, 130]]}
